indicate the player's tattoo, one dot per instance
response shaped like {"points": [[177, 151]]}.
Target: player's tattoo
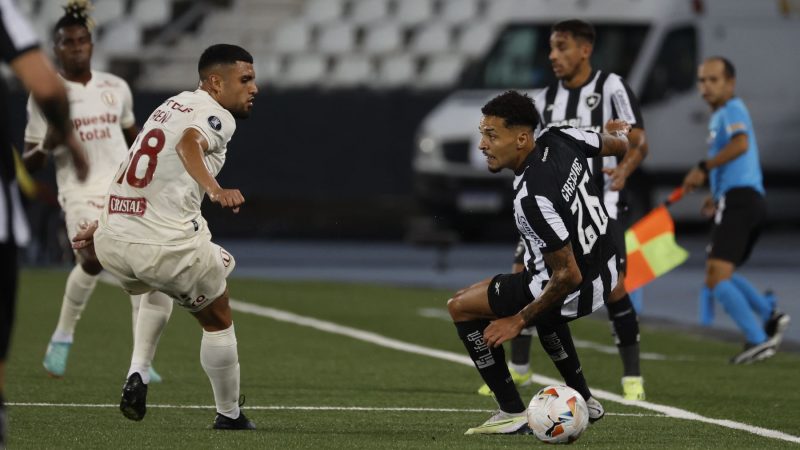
{"points": [[561, 283]]}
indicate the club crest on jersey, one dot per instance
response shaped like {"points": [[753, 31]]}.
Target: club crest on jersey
{"points": [[593, 100], [215, 123], [108, 98]]}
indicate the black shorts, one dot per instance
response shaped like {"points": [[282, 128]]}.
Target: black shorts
{"points": [[509, 293], [737, 224]]}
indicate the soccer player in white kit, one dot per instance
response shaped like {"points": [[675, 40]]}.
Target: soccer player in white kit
{"points": [[101, 107], [152, 236]]}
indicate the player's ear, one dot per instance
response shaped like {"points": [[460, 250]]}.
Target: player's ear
{"points": [[523, 137]]}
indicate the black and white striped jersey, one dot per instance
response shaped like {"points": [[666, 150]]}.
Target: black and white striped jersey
{"points": [[555, 203], [603, 97], [16, 37]]}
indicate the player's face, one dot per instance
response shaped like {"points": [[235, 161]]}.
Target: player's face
{"points": [[714, 86], [568, 54], [238, 89], [73, 48], [499, 144]]}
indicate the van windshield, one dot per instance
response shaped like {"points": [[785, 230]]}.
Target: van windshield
{"points": [[519, 57]]}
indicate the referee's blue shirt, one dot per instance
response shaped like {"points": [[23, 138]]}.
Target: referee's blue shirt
{"points": [[744, 171]]}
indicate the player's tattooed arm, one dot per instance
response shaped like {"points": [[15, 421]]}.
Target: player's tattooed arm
{"points": [[565, 279], [615, 138]]}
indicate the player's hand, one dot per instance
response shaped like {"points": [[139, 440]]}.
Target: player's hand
{"points": [[617, 127], [502, 330], [227, 198], [85, 236], [709, 208], [694, 179], [618, 177]]}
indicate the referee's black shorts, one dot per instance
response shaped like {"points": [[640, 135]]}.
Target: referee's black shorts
{"points": [[737, 224]]}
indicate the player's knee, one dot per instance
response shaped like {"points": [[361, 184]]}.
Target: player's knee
{"points": [[454, 307], [618, 293]]}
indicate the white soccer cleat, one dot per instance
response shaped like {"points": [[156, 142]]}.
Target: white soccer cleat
{"points": [[504, 423], [596, 410]]}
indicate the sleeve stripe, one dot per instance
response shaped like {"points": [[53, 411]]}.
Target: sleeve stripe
{"points": [[592, 139], [553, 219]]}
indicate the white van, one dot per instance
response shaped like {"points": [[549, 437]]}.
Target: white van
{"points": [[656, 46]]}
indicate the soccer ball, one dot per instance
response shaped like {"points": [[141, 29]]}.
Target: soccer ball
{"points": [[558, 415]]}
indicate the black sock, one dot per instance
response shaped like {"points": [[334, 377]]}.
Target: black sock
{"points": [[521, 349], [491, 364], [557, 342], [625, 328]]}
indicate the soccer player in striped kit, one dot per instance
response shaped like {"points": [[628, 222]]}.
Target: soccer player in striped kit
{"points": [[587, 99]]}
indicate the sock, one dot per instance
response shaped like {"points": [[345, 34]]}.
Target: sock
{"points": [[625, 329], [154, 311], [80, 286], [521, 352], [557, 342], [135, 301], [220, 360], [706, 305], [763, 305], [491, 364], [736, 306]]}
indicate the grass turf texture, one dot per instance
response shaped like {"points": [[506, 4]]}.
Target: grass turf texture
{"points": [[289, 365]]}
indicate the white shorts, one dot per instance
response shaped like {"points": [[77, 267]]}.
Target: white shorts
{"points": [[81, 211], [192, 273]]}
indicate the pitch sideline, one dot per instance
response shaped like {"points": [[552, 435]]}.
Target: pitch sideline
{"points": [[383, 341]]}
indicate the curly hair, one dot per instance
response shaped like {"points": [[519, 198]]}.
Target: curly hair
{"points": [[514, 108], [76, 12]]}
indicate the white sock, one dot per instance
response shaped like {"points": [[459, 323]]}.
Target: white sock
{"points": [[135, 301], [154, 311], [519, 368], [220, 360], [80, 286]]}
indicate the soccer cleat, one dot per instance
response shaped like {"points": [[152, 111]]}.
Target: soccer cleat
{"points": [[134, 398], [520, 379], [226, 423], [504, 423], [776, 326], [55, 359], [633, 388], [154, 376], [596, 410], [755, 352]]}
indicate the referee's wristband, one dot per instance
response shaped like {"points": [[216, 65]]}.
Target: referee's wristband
{"points": [[703, 165]]}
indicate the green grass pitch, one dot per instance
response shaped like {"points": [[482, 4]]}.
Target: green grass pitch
{"points": [[290, 366]]}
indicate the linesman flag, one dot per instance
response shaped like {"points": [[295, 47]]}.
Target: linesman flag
{"points": [[651, 246]]}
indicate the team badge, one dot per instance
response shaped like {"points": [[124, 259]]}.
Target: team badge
{"points": [[226, 257], [592, 101], [108, 98], [215, 122]]}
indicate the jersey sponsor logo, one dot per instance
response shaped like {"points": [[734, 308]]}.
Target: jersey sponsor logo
{"points": [[568, 189], [215, 123], [574, 123], [526, 229], [592, 101], [127, 206], [546, 152], [175, 106], [102, 119]]}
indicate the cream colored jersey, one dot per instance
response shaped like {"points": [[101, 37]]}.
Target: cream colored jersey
{"points": [[152, 198], [99, 110]]}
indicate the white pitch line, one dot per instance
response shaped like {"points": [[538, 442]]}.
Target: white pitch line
{"points": [[291, 408], [377, 339]]}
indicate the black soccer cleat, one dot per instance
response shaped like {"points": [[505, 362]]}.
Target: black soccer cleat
{"points": [[226, 423], [134, 398]]}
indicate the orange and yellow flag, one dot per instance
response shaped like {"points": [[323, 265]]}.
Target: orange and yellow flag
{"points": [[652, 250]]}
